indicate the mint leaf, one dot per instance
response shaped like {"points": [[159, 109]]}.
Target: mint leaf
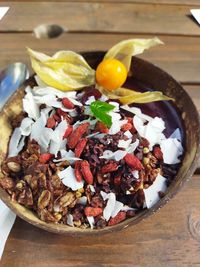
{"points": [[100, 109]]}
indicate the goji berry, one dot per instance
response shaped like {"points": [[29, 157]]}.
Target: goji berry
{"points": [[126, 127], [51, 123], [68, 131], [80, 147], [133, 162], [86, 172], [121, 216], [90, 211], [57, 118], [67, 103], [129, 119], [101, 127], [60, 112], [157, 153], [77, 171], [76, 135], [44, 158], [110, 167]]}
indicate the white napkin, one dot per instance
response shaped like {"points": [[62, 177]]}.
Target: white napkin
{"points": [[196, 14], [7, 218], [3, 11]]}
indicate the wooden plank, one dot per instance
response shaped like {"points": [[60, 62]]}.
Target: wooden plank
{"points": [[179, 56], [168, 238], [98, 17], [175, 2]]}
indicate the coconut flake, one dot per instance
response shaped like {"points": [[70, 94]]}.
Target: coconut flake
{"points": [[67, 156], [41, 134], [118, 206], [100, 136], [82, 200], [91, 221], [124, 144], [171, 149], [127, 208], [109, 206], [107, 154], [158, 124], [44, 90], [116, 126], [104, 195], [90, 100], [117, 155], [151, 193], [103, 98], [138, 112], [57, 142], [133, 146], [29, 105], [92, 189], [26, 126], [16, 143], [135, 174], [128, 134], [68, 178], [176, 134], [116, 109], [152, 131], [70, 220], [60, 131], [139, 125]]}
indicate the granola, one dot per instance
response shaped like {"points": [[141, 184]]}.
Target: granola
{"points": [[69, 167]]}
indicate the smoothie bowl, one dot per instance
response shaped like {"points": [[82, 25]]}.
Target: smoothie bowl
{"points": [[95, 142]]}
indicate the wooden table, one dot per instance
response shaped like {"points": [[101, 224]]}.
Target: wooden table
{"points": [[171, 237]]}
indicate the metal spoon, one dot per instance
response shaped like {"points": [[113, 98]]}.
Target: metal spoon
{"points": [[10, 79]]}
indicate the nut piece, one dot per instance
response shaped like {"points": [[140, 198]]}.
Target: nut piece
{"points": [[44, 199], [7, 182], [67, 199], [14, 166]]}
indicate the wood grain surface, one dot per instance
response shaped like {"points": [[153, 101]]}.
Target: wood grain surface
{"points": [[178, 56], [171, 237], [160, 2], [102, 17], [168, 238]]}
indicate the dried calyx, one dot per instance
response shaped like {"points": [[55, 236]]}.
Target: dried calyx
{"points": [[67, 70]]}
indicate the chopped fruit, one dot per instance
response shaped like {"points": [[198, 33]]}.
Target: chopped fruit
{"points": [[101, 127], [111, 74], [44, 158], [68, 131], [87, 174], [126, 127], [121, 216], [133, 162], [78, 173], [80, 147], [90, 211], [158, 153], [67, 103], [51, 123]]}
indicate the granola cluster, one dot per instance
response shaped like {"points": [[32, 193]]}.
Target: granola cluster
{"points": [[82, 173]]}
